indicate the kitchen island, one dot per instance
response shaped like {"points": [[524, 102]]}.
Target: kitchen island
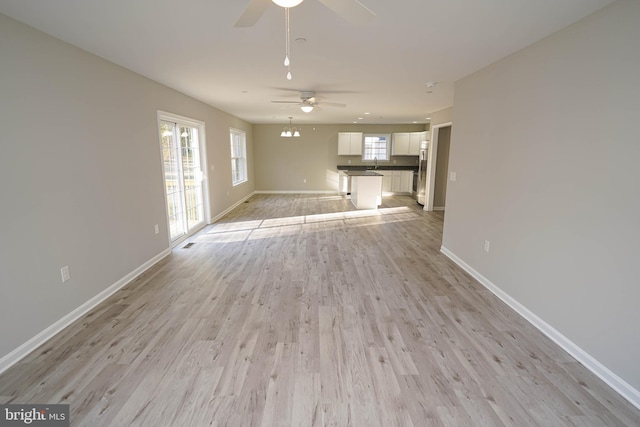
{"points": [[366, 189]]}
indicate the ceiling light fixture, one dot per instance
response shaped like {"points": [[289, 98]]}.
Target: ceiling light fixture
{"points": [[307, 108], [287, 3], [290, 131]]}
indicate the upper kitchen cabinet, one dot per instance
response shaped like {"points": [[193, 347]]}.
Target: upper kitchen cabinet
{"points": [[408, 143], [349, 143]]}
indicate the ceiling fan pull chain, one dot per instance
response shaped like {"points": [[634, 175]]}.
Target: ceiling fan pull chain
{"points": [[287, 54]]}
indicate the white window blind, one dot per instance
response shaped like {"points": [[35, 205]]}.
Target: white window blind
{"points": [[376, 147]]}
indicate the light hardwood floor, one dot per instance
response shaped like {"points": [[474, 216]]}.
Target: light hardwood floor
{"points": [[299, 310]]}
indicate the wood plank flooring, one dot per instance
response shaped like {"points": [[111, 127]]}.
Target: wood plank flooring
{"points": [[299, 310]]}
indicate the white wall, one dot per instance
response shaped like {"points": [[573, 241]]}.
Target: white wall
{"points": [[546, 149], [80, 175]]}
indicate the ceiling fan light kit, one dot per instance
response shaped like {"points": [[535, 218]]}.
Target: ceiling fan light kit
{"points": [[307, 108], [352, 10], [287, 3]]}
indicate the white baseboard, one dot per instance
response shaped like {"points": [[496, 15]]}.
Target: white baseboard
{"points": [[438, 208], [16, 355], [230, 208], [298, 192], [614, 381], [395, 193]]}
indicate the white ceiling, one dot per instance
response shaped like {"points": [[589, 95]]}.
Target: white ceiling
{"points": [[380, 68]]}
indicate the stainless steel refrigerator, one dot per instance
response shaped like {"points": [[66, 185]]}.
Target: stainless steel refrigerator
{"points": [[421, 191]]}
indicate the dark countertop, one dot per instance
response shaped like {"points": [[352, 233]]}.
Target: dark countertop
{"points": [[382, 168], [362, 173]]}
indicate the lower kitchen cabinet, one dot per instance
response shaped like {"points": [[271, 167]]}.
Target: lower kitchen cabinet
{"points": [[396, 181]]}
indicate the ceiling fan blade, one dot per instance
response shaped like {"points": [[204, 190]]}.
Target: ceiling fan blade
{"points": [[333, 104], [252, 13], [351, 10], [286, 102]]}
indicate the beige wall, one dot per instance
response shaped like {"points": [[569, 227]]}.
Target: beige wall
{"points": [[282, 164], [81, 176], [545, 147], [441, 116]]}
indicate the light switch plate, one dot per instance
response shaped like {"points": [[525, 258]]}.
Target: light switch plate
{"points": [[452, 176], [64, 272]]}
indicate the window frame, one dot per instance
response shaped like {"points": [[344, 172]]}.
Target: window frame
{"points": [[239, 160], [387, 149]]}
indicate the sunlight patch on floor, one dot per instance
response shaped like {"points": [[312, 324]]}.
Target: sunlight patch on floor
{"points": [[239, 231]]}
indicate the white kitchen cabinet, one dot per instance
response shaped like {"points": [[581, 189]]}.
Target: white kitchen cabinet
{"points": [[349, 143], [400, 143], [406, 181], [415, 142], [387, 181], [396, 181], [408, 143]]}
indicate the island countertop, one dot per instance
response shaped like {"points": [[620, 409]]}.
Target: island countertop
{"points": [[361, 173], [344, 168]]}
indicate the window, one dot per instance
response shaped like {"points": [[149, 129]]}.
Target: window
{"points": [[376, 147], [238, 156]]}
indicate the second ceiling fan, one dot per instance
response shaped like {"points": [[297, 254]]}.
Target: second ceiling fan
{"points": [[308, 102], [351, 10]]}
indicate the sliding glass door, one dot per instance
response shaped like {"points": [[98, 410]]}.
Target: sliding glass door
{"points": [[182, 165]]}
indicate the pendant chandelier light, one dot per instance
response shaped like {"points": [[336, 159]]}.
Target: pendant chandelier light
{"points": [[290, 131]]}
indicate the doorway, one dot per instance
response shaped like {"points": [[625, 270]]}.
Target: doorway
{"points": [[182, 142], [438, 168], [442, 168]]}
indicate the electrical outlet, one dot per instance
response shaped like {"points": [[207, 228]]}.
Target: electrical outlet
{"points": [[349, 161], [157, 229], [64, 272], [486, 245], [452, 176], [305, 180]]}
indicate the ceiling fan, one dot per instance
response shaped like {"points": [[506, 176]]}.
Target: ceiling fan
{"points": [[351, 10], [308, 102]]}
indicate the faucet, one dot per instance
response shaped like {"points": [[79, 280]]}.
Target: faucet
{"points": [[375, 163]]}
